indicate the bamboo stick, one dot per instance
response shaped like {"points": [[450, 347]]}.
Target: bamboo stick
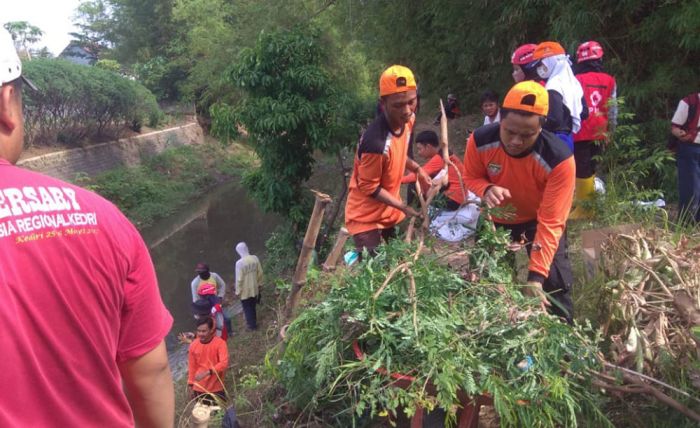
{"points": [[332, 259], [299, 278]]}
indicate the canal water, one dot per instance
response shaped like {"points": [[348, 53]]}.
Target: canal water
{"points": [[206, 230]]}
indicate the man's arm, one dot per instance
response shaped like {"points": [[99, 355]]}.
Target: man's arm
{"points": [[369, 177], [474, 170], [421, 175], [222, 358], [551, 219], [237, 285], [193, 286], [432, 168], [149, 388]]}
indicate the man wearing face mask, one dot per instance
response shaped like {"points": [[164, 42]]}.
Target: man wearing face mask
{"points": [[374, 203], [566, 104], [524, 65], [516, 162]]}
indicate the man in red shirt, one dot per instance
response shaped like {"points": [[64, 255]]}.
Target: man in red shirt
{"points": [[374, 204], [516, 163], [598, 89], [208, 361], [83, 320]]}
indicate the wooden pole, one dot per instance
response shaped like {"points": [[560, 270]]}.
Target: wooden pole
{"points": [[299, 279], [334, 255]]}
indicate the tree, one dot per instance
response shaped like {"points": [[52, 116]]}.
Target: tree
{"points": [[24, 35], [94, 18], [44, 52], [293, 107]]}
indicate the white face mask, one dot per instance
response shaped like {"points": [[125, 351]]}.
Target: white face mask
{"points": [[543, 71]]}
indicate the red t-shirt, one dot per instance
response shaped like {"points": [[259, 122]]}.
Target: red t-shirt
{"points": [[79, 293]]}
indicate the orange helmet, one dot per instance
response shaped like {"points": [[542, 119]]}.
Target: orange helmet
{"points": [[528, 96], [523, 54], [589, 51], [547, 49]]}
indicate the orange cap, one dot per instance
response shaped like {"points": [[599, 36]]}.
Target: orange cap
{"points": [[528, 96], [546, 49], [395, 79]]}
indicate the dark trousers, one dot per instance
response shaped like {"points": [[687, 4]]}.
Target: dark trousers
{"points": [[251, 319], [584, 152], [561, 277], [688, 164], [371, 239]]}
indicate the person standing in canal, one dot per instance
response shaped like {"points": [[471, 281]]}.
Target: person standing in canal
{"points": [[206, 278], [83, 320], [374, 204], [207, 361], [249, 276]]}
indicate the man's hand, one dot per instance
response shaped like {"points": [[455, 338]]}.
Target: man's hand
{"points": [[423, 179], [410, 211], [186, 338], [534, 289], [495, 195], [681, 134], [201, 375]]}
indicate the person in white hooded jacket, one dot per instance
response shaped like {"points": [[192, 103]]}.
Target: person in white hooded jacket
{"points": [[249, 275], [567, 107]]}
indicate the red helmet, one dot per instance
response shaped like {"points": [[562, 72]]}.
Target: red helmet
{"points": [[523, 54], [589, 51]]}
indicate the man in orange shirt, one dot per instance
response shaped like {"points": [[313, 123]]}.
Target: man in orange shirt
{"points": [[516, 163], [428, 147], [374, 203], [208, 361]]}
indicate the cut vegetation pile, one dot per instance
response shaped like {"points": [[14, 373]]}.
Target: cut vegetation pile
{"points": [[651, 313], [412, 315]]}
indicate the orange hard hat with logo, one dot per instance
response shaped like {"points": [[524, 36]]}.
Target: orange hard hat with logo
{"points": [[589, 51], [396, 79], [547, 49], [527, 96]]}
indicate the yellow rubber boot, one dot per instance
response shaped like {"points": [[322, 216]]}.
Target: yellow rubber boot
{"points": [[585, 188]]}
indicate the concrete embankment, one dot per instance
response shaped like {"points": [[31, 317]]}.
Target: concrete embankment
{"points": [[95, 159]]}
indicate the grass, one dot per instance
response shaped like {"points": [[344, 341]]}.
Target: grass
{"points": [[161, 184]]}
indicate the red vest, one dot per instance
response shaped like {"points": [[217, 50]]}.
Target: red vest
{"points": [[597, 90]]}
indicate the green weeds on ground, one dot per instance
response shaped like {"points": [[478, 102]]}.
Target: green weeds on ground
{"points": [[161, 184]]}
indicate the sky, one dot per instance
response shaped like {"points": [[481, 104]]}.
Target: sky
{"points": [[53, 17]]}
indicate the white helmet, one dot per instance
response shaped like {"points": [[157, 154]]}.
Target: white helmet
{"points": [[10, 65]]}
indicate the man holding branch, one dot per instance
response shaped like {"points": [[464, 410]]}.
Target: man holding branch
{"points": [[516, 162], [374, 203]]}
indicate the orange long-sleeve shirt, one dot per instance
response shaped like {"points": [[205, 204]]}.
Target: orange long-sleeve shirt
{"points": [[541, 183], [379, 163], [205, 356], [433, 167]]}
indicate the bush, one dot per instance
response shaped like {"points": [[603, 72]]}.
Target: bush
{"points": [[75, 103]]}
